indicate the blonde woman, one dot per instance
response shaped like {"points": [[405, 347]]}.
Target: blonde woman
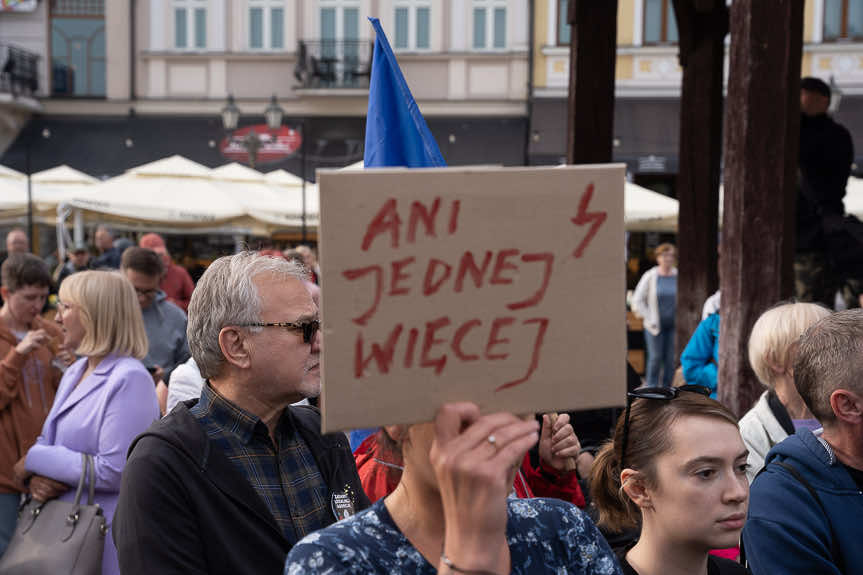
{"points": [[780, 410], [105, 399]]}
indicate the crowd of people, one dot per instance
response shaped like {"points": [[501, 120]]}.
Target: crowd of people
{"points": [[201, 440], [197, 404]]}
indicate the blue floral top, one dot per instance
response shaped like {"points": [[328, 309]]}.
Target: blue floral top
{"points": [[544, 536]]}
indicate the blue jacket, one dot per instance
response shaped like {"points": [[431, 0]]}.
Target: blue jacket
{"points": [[165, 325], [786, 531], [700, 358]]}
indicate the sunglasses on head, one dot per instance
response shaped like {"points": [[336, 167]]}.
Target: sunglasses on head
{"points": [[653, 392]]}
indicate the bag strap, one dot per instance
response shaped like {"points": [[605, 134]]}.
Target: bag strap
{"points": [[81, 479], [91, 492]]}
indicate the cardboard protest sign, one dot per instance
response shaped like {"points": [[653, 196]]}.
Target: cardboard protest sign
{"points": [[501, 286]]}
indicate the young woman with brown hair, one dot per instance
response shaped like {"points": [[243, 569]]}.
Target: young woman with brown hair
{"points": [[677, 467]]}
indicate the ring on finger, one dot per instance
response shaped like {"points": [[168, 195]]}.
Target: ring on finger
{"points": [[492, 440]]}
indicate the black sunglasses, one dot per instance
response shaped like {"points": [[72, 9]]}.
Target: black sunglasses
{"points": [[309, 328], [653, 392]]}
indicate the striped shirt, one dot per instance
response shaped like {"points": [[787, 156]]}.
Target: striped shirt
{"points": [[285, 476]]}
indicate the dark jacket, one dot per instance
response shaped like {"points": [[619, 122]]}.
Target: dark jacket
{"points": [[184, 508], [109, 259], [67, 270], [826, 155], [787, 531]]}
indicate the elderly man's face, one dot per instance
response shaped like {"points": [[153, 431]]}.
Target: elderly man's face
{"points": [[284, 367], [17, 242]]}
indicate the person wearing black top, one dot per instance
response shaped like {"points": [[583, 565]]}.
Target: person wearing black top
{"points": [[676, 467], [826, 155]]}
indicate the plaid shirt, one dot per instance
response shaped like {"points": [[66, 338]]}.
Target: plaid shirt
{"points": [[287, 479]]}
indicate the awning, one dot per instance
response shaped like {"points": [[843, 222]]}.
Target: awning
{"points": [[646, 133]]}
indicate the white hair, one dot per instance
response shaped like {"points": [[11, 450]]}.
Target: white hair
{"points": [[227, 295]]}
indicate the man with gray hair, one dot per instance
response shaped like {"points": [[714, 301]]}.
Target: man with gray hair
{"points": [[229, 482], [806, 507]]}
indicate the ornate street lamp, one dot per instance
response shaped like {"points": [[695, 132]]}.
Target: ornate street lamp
{"points": [[251, 141], [230, 114], [274, 114]]}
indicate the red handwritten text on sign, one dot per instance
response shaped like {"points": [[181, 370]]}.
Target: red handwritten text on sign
{"points": [[444, 340]]}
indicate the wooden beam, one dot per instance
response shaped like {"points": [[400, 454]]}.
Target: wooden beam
{"points": [[592, 59], [702, 28], [762, 130]]}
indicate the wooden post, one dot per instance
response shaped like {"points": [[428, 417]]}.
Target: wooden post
{"points": [[702, 27], [762, 129], [592, 54]]}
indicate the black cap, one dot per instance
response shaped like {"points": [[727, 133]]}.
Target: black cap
{"points": [[816, 85]]}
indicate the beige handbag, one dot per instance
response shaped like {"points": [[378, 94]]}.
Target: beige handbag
{"points": [[59, 537]]}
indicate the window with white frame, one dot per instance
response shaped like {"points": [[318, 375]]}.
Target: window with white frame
{"points": [[266, 24], [340, 27], [190, 24], [413, 23], [843, 20], [489, 24], [660, 24], [564, 30]]}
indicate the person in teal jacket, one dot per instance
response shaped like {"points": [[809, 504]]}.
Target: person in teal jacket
{"points": [[700, 358]]}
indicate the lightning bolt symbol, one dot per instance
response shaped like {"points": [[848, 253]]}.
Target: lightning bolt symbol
{"points": [[583, 217]]}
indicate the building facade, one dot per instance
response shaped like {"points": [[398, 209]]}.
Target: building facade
{"points": [[123, 82], [116, 84], [648, 80]]}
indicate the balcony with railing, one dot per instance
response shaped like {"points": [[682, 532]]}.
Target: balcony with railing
{"points": [[333, 64], [19, 71]]}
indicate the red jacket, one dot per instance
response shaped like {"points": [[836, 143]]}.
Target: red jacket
{"points": [[178, 285], [380, 473]]}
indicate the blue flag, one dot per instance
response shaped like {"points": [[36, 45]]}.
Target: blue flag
{"points": [[396, 133]]}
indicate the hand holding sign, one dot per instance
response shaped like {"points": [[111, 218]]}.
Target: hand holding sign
{"points": [[474, 475], [475, 285]]}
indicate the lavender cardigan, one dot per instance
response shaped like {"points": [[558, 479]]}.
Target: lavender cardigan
{"points": [[100, 416]]}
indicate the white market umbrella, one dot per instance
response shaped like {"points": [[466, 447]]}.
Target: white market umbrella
{"points": [[13, 189], [173, 191], [258, 198], [648, 211], [290, 187], [355, 167], [55, 185], [854, 197]]}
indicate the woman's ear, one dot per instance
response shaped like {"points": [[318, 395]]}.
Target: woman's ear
{"points": [[634, 486]]}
